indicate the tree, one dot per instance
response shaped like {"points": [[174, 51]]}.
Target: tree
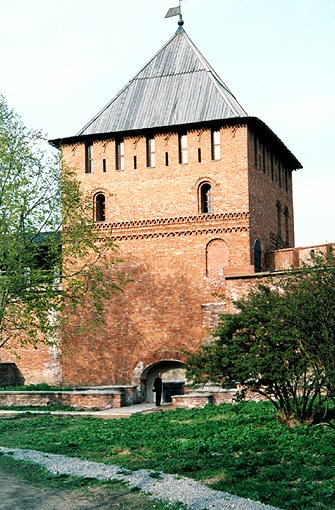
{"points": [[281, 343], [51, 258], [311, 292]]}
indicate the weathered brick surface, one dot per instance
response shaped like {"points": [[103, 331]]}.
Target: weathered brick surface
{"points": [[34, 365], [176, 257], [181, 263], [104, 399]]}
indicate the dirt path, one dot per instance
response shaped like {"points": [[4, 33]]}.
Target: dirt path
{"points": [[18, 494]]}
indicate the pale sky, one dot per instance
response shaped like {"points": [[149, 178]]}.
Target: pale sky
{"points": [[62, 61]]}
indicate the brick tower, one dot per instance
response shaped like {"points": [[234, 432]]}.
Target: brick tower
{"points": [[198, 195]]}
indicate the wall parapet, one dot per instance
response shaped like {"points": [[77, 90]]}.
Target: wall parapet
{"points": [[84, 399]]}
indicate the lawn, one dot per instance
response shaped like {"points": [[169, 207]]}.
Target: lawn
{"points": [[239, 448]]}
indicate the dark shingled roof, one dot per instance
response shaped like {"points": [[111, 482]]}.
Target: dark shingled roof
{"points": [[177, 86]]}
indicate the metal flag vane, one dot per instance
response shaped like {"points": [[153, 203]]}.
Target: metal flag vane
{"points": [[176, 11]]}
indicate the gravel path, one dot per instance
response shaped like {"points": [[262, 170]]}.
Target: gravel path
{"points": [[169, 488]]}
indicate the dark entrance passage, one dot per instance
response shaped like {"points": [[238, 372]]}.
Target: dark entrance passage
{"points": [[172, 388], [173, 377]]}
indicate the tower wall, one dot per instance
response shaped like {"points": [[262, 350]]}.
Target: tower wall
{"points": [[175, 255], [271, 198]]}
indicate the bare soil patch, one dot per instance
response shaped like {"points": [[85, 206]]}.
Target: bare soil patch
{"points": [[20, 494]]}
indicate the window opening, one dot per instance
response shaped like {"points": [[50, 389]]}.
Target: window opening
{"points": [[135, 162], [260, 153], [206, 198], [151, 157], [199, 155], [257, 256], [255, 151], [104, 166], [100, 207], [119, 154], [286, 216], [216, 145], [279, 210], [89, 158], [183, 149], [166, 159]]}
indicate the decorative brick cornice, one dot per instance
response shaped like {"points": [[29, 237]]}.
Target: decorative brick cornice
{"points": [[203, 224]]}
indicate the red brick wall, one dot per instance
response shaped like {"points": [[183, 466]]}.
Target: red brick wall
{"points": [[35, 365], [175, 257], [164, 242], [266, 188]]}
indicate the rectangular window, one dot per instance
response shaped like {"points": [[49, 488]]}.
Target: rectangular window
{"points": [[151, 157], [255, 151], [286, 180], [183, 149], [199, 155], [89, 158], [216, 145], [104, 166], [135, 162], [119, 154], [260, 155], [166, 159]]}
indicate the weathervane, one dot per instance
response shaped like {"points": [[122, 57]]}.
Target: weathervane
{"points": [[176, 11]]}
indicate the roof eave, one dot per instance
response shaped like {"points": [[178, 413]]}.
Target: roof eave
{"points": [[253, 122]]}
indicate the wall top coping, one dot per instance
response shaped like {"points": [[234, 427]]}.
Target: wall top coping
{"points": [[70, 392], [193, 395]]}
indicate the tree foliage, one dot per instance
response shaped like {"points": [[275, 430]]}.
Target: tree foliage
{"points": [[281, 343], [50, 256]]}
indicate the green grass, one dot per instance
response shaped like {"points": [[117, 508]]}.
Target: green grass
{"points": [[240, 449], [46, 408]]}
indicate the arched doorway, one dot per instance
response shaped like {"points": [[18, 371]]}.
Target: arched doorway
{"points": [[216, 258], [173, 376]]}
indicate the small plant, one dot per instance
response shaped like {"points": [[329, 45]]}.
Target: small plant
{"points": [[35, 387], [156, 474], [33, 408]]}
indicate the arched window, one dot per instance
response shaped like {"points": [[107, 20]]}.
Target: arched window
{"points": [[279, 211], [258, 256], [286, 216], [205, 198], [99, 207]]}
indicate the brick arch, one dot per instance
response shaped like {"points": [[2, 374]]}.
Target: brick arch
{"points": [[216, 257], [158, 356], [173, 375]]}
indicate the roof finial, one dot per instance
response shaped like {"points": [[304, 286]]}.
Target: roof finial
{"points": [[175, 11]]}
